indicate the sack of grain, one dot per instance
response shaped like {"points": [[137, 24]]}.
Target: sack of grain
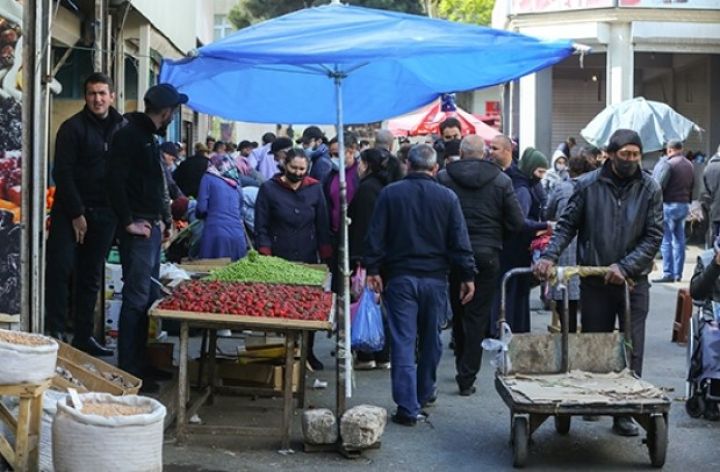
{"points": [[122, 434], [26, 358]]}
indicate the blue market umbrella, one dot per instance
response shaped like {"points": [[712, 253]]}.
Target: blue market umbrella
{"points": [[655, 122], [338, 64]]}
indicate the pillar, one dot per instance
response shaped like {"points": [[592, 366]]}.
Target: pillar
{"points": [[620, 63], [143, 64], [536, 111]]}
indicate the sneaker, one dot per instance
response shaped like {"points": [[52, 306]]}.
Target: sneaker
{"points": [[383, 365], [666, 279], [625, 426], [365, 365], [678, 279], [466, 392], [404, 420]]}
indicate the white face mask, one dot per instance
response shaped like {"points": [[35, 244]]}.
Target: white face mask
{"points": [[561, 167], [335, 161]]}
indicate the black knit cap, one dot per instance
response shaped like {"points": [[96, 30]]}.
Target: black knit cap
{"points": [[623, 137]]}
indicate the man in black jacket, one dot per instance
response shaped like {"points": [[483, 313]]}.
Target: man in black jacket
{"points": [[190, 171], [138, 194], [492, 213], [616, 212], [82, 224], [417, 233]]}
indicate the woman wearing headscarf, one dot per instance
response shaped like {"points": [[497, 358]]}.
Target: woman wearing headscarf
{"points": [[220, 205], [526, 177]]}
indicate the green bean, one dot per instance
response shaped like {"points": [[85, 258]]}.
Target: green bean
{"points": [[257, 268]]}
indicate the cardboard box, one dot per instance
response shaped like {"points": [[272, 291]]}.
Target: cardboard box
{"points": [[112, 316], [231, 373], [113, 278]]}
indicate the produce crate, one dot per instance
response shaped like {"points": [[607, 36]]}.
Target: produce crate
{"points": [[264, 375], [77, 361]]}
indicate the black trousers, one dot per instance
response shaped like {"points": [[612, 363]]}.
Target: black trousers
{"points": [[65, 257], [603, 304], [473, 324], [572, 314]]}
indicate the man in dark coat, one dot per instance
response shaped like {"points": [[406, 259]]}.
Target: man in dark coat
{"points": [[492, 213], [622, 197], [82, 225], [416, 235], [190, 171], [138, 194]]}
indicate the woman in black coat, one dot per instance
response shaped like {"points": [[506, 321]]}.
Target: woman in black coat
{"points": [[376, 169], [291, 219]]}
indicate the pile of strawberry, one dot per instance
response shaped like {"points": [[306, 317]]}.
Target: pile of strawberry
{"points": [[293, 302]]}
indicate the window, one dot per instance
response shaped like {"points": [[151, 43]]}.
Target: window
{"points": [[222, 27]]}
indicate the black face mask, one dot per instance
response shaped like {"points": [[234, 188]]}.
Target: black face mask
{"points": [[293, 178], [624, 169]]}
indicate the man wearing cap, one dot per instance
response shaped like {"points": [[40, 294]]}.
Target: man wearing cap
{"points": [[676, 179], [82, 225], [278, 151], [616, 213], [170, 156], [138, 194], [314, 143]]}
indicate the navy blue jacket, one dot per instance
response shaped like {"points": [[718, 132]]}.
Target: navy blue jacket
{"points": [[292, 224], [321, 163], [418, 229]]}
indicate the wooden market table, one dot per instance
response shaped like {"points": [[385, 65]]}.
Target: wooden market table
{"points": [[293, 330]]}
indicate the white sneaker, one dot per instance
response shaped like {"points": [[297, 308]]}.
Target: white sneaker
{"points": [[365, 365]]}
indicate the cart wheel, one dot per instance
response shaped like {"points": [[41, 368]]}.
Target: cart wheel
{"points": [[695, 406], [562, 424], [520, 439], [657, 440]]}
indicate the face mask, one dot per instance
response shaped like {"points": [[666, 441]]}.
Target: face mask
{"points": [[561, 167], [335, 161], [293, 178], [624, 168]]}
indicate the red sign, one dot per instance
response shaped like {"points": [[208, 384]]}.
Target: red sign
{"points": [[698, 4], [538, 6]]}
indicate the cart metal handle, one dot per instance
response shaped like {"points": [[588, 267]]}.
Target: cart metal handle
{"points": [[560, 276]]}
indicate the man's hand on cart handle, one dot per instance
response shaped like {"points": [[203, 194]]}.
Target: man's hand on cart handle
{"points": [[375, 283], [615, 275], [544, 269], [467, 292]]}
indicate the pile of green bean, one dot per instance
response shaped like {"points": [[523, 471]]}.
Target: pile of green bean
{"points": [[268, 269]]}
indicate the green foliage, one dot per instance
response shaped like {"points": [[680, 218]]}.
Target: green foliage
{"points": [[466, 11], [247, 12]]}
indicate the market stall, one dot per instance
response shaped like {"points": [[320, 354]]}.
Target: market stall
{"points": [[258, 293]]}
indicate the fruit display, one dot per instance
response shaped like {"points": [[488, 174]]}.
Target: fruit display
{"points": [[269, 269], [293, 302]]}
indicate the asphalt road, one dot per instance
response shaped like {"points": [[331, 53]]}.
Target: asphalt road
{"points": [[470, 433]]}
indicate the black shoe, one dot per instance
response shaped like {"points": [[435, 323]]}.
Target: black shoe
{"points": [[315, 363], [433, 398], [149, 386], [624, 426], [466, 392], [666, 279], [404, 420], [92, 347], [158, 374]]}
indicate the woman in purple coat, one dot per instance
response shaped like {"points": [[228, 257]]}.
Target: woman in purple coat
{"points": [[220, 205]]}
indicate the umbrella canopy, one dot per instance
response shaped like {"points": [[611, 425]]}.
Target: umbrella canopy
{"points": [[428, 121], [390, 63], [655, 122]]}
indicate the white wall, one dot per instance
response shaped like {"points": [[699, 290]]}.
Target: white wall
{"points": [[174, 19]]}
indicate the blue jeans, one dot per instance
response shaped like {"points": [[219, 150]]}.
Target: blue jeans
{"points": [[416, 307], [140, 259], [673, 243]]}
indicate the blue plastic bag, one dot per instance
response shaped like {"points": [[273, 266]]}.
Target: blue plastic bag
{"points": [[366, 331]]}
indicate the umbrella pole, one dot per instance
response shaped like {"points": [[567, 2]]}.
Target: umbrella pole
{"points": [[344, 259]]}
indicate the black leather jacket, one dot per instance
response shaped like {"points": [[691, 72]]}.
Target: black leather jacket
{"points": [[615, 224], [705, 283]]}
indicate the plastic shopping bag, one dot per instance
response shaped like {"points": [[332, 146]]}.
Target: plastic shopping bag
{"points": [[500, 346], [366, 331], [357, 282]]}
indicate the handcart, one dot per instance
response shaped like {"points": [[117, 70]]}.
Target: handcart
{"points": [[561, 375]]}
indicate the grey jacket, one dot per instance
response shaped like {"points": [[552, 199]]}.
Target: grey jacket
{"points": [[710, 195]]}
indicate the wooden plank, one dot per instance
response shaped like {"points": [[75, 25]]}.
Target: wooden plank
{"points": [[7, 417], [240, 320], [7, 452], [22, 447], [290, 339], [18, 390], [5, 318], [182, 384], [233, 430], [197, 404], [36, 412]]}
